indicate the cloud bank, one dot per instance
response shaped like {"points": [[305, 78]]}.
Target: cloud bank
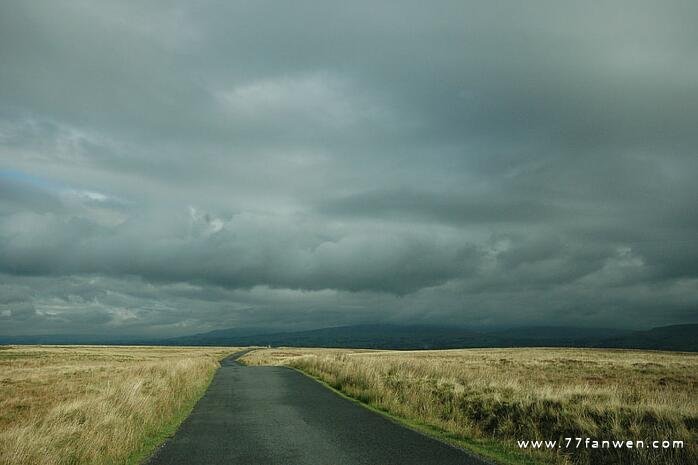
{"points": [[171, 168]]}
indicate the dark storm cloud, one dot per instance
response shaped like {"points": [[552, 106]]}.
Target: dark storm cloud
{"points": [[444, 208], [244, 251], [168, 168]]}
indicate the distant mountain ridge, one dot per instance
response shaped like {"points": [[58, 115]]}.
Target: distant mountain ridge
{"points": [[376, 336], [674, 337], [389, 336], [385, 336]]}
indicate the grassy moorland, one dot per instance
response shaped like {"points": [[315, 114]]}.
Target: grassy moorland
{"points": [[96, 405], [487, 399]]}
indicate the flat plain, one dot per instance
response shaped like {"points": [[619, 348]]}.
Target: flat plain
{"points": [[102, 405], [96, 404], [487, 399]]}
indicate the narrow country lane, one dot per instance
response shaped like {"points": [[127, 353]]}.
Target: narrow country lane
{"points": [[275, 415]]}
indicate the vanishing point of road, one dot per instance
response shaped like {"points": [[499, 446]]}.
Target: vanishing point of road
{"points": [[254, 415]]}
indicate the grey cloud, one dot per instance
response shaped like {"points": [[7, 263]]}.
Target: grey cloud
{"points": [[409, 205], [16, 195], [173, 167], [242, 252]]}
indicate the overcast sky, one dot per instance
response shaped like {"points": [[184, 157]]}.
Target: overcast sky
{"points": [[174, 168]]}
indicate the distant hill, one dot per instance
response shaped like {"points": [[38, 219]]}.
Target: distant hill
{"points": [[217, 337], [675, 337], [566, 336], [377, 336], [387, 336], [559, 332]]}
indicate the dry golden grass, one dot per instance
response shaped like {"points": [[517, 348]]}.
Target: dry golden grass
{"points": [[95, 405], [510, 394]]}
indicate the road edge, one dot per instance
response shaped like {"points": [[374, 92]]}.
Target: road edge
{"points": [[167, 432], [483, 452]]}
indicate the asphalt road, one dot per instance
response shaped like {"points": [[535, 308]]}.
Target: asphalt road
{"points": [[275, 415]]}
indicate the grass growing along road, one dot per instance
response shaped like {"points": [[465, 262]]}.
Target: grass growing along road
{"points": [[486, 399], [96, 405], [112, 405]]}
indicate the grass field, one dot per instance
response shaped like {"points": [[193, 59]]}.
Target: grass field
{"points": [[486, 399], [96, 405]]}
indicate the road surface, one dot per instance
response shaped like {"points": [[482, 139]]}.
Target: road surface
{"points": [[277, 416]]}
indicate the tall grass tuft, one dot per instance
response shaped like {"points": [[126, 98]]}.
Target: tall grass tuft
{"points": [[95, 405], [524, 394]]}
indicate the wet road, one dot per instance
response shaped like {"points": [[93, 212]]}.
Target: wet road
{"points": [[275, 415]]}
